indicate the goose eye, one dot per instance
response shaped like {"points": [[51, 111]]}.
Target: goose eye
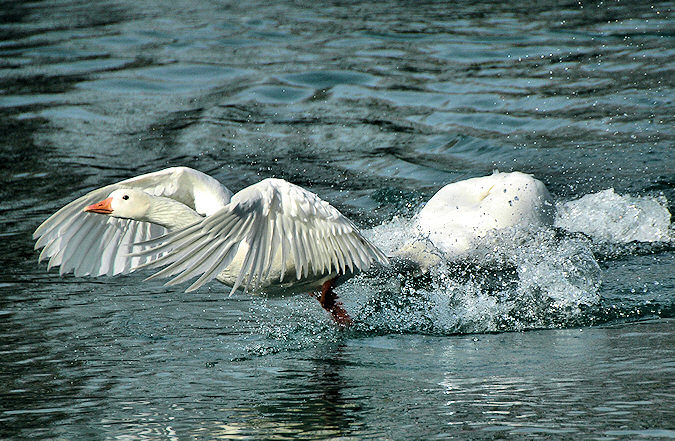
{"points": [[125, 197]]}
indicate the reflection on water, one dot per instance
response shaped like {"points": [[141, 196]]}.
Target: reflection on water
{"points": [[374, 107]]}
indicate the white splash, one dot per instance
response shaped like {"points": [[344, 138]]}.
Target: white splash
{"points": [[522, 274], [609, 217], [512, 279]]}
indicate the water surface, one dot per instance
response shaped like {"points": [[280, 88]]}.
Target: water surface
{"points": [[561, 333]]}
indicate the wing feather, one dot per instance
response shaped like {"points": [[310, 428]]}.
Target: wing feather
{"points": [[78, 260], [200, 258], [283, 226], [283, 246], [292, 242], [212, 263]]}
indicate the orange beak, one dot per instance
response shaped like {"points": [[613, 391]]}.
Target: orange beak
{"points": [[103, 207]]}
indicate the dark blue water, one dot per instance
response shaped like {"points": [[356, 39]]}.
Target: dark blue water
{"points": [[564, 333]]}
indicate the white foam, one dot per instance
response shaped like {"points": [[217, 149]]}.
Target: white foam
{"points": [[512, 279], [609, 217], [520, 275]]}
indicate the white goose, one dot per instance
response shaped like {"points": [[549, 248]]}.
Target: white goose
{"points": [[268, 237], [463, 212]]}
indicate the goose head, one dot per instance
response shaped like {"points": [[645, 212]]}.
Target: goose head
{"points": [[126, 203]]}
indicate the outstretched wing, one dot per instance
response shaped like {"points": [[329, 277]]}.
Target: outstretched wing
{"points": [[93, 244], [277, 221]]}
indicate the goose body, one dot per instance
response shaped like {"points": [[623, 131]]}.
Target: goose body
{"points": [[463, 212], [270, 236]]}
